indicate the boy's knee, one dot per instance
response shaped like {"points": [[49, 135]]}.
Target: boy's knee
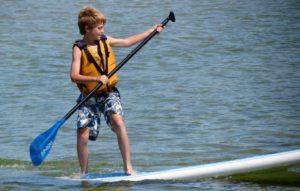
{"points": [[83, 135], [119, 128], [116, 122]]}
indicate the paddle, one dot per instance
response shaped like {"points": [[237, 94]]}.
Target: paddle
{"points": [[42, 144]]}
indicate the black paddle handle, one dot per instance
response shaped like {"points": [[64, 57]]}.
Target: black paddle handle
{"points": [[122, 63]]}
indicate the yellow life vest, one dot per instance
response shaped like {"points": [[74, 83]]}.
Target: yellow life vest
{"points": [[97, 64]]}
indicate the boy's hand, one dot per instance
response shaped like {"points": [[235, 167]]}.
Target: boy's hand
{"points": [[159, 28], [103, 79]]}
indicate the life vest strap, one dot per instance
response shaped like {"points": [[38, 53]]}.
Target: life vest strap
{"points": [[92, 60]]}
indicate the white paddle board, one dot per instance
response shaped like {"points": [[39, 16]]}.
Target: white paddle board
{"points": [[202, 171]]}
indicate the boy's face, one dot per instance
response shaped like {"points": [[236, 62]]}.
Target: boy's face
{"points": [[95, 32]]}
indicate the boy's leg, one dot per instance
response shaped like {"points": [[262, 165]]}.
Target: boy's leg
{"points": [[82, 149], [123, 141]]}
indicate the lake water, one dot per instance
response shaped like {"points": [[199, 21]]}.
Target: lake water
{"points": [[220, 83]]}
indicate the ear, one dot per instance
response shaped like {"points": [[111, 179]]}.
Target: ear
{"points": [[86, 29]]}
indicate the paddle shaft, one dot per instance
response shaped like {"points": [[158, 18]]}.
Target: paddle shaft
{"points": [[122, 63]]}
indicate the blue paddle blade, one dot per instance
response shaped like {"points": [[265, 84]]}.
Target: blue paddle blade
{"points": [[42, 144]]}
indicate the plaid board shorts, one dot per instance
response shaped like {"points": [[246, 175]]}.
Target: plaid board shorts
{"points": [[90, 112]]}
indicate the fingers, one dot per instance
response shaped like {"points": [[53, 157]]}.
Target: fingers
{"points": [[159, 28], [103, 79]]}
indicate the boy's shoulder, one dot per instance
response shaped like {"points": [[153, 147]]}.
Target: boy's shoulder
{"points": [[81, 44]]}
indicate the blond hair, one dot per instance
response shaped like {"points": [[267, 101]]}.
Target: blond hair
{"points": [[91, 17]]}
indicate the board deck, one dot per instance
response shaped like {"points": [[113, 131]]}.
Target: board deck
{"points": [[202, 171]]}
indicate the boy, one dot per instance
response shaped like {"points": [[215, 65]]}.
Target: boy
{"points": [[93, 60]]}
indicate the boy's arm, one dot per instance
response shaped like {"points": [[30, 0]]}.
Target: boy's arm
{"points": [[75, 71], [129, 41]]}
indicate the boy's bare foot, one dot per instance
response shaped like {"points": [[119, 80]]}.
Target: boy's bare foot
{"points": [[75, 175], [130, 172]]}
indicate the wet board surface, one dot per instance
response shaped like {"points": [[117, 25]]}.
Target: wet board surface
{"points": [[201, 171]]}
